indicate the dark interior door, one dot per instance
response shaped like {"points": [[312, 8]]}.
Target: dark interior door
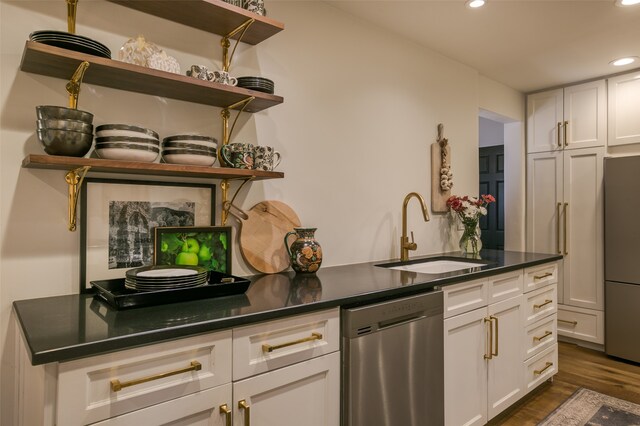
{"points": [[492, 182]]}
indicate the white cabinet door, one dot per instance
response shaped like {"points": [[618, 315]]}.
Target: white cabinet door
{"points": [[203, 408], [624, 104], [585, 115], [306, 393], [544, 198], [544, 121], [569, 118], [465, 369], [583, 218], [505, 384]]}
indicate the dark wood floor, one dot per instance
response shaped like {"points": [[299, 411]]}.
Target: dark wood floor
{"points": [[578, 367]]}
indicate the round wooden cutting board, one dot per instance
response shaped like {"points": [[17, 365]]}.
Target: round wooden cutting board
{"points": [[262, 235]]}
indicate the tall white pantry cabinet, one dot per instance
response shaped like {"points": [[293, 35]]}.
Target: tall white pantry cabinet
{"points": [[566, 138]]}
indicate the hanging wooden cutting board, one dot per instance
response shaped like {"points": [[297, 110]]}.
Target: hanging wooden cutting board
{"points": [[263, 228]]}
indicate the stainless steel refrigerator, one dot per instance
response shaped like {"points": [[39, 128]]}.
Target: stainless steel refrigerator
{"points": [[622, 257]]}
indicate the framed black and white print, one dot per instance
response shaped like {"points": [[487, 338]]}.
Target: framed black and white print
{"points": [[118, 218]]}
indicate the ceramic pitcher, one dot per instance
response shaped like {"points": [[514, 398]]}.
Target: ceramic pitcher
{"points": [[305, 253]]}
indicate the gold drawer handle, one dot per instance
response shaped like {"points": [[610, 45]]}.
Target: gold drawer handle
{"points": [[224, 409], [268, 348], [116, 385], [545, 275], [568, 322], [546, 302], [546, 334], [542, 370], [242, 404]]}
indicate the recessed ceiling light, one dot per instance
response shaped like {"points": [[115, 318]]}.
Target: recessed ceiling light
{"points": [[623, 61], [627, 2], [474, 4]]}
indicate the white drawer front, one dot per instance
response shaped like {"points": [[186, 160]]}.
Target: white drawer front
{"points": [[274, 344], [581, 323], [540, 276], [198, 409], [541, 367], [504, 286], [464, 297], [86, 393], [539, 336], [540, 303]]}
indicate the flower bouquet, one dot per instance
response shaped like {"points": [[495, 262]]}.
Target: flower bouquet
{"points": [[469, 210]]}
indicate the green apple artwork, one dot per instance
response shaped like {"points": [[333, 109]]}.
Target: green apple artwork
{"points": [[208, 249]]}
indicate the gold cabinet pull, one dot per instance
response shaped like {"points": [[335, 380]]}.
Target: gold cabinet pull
{"points": [[545, 275], [497, 334], [546, 334], [568, 322], [566, 141], [116, 385], [242, 404], [566, 251], [545, 303], [543, 369], [559, 130], [224, 409], [270, 348], [558, 230], [490, 355]]}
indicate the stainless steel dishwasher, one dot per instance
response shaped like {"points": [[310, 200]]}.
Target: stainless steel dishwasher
{"points": [[393, 361]]}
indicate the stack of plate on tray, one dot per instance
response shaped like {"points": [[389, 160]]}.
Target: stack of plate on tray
{"points": [[260, 84], [165, 277], [70, 41]]}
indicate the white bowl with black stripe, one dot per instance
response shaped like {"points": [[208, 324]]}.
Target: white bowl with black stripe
{"points": [[192, 157], [128, 139], [145, 153], [107, 130], [199, 140]]}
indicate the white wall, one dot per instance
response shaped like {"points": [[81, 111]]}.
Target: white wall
{"points": [[360, 112], [491, 133]]}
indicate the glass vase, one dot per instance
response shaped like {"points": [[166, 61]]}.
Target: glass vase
{"points": [[470, 242]]}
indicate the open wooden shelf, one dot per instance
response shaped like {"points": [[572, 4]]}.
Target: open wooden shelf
{"points": [[53, 61], [52, 162], [214, 16]]}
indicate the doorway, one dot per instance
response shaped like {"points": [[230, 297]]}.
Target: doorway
{"points": [[491, 181]]}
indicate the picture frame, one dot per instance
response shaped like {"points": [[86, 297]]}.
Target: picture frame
{"points": [[208, 246], [118, 217]]}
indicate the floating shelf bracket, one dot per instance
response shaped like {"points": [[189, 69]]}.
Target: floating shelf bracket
{"points": [[226, 203], [225, 114], [73, 86], [74, 179], [226, 58]]}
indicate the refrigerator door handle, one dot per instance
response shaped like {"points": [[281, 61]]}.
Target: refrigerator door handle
{"points": [[566, 250]]}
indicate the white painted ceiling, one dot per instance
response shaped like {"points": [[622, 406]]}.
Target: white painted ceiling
{"points": [[525, 44]]}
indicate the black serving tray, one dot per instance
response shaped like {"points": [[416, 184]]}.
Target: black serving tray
{"points": [[118, 296]]}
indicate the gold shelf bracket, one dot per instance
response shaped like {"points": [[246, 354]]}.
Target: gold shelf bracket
{"points": [[74, 179], [73, 86], [72, 6], [226, 114], [226, 58], [225, 185]]}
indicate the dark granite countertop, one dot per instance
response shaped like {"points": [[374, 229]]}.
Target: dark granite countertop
{"points": [[62, 328]]}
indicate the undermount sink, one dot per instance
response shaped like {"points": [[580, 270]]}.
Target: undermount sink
{"points": [[433, 266]]}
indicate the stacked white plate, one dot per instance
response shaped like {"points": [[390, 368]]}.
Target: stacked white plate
{"points": [[165, 277], [127, 142], [192, 150]]}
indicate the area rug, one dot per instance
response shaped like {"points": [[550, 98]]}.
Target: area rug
{"points": [[589, 408]]}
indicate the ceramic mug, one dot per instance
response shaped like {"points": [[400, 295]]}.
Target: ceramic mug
{"points": [[255, 6], [238, 155], [265, 158], [198, 71], [223, 77]]}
